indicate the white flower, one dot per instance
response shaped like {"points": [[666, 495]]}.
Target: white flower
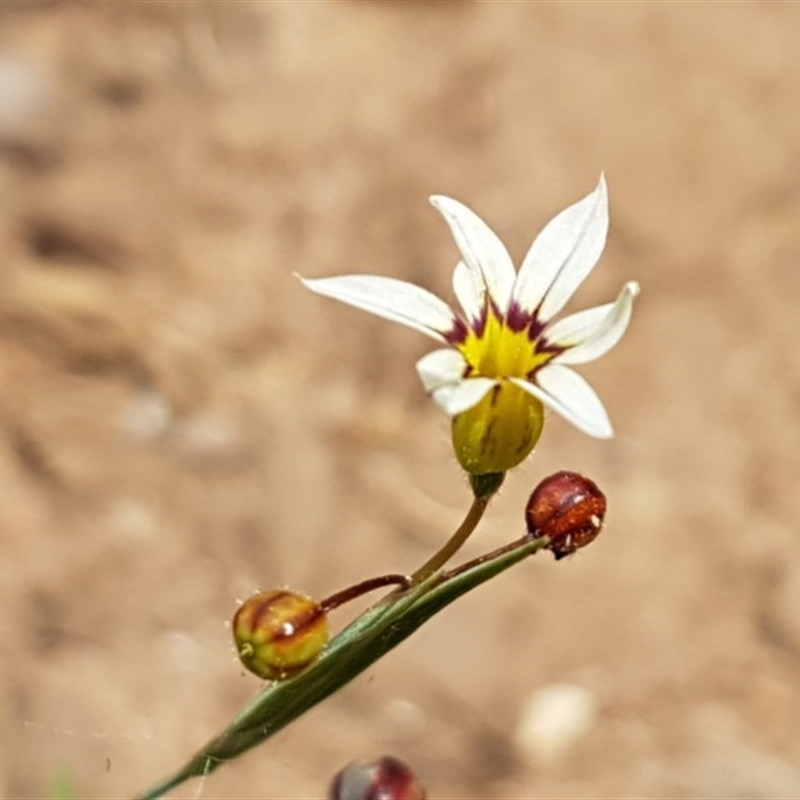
{"points": [[505, 355]]}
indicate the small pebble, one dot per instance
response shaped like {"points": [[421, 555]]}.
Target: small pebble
{"points": [[553, 719], [25, 93], [147, 416]]}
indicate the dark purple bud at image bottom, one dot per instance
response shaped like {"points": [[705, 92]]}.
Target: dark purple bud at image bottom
{"points": [[385, 778]]}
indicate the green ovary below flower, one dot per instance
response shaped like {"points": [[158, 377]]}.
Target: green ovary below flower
{"points": [[499, 432], [505, 358]]}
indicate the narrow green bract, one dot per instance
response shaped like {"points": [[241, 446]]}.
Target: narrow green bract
{"points": [[367, 639]]}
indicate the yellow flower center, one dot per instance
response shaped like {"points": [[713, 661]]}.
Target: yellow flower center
{"points": [[502, 429], [500, 352]]}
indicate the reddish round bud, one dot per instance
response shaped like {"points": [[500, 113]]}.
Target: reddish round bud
{"points": [[567, 508], [278, 633], [386, 778]]}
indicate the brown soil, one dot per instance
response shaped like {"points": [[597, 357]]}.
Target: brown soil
{"points": [[183, 423]]}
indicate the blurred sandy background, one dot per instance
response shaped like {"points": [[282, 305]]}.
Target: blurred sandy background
{"points": [[182, 423]]}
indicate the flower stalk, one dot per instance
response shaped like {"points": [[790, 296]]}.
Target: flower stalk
{"points": [[402, 582], [454, 543]]}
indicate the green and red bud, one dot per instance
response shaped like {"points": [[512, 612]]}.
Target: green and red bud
{"points": [[278, 633]]}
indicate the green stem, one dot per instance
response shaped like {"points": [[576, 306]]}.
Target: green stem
{"points": [[451, 547], [194, 769]]}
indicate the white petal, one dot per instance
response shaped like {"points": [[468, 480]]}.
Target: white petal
{"points": [[591, 334], [456, 398], [470, 291], [570, 395], [563, 254], [392, 299], [483, 252], [440, 368]]}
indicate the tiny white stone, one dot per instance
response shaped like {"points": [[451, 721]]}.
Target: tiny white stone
{"points": [[25, 91], [148, 415], [406, 713], [131, 521], [553, 719]]}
